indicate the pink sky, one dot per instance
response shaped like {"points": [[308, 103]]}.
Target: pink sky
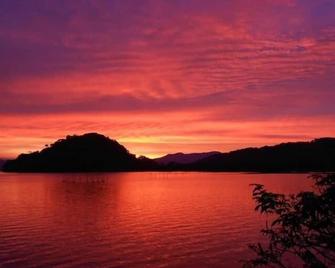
{"points": [[166, 76]]}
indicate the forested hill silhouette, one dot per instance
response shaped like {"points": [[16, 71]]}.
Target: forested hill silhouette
{"points": [[95, 152], [317, 155], [89, 152]]}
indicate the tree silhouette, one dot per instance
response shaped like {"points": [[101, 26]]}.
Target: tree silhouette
{"points": [[303, 226]]}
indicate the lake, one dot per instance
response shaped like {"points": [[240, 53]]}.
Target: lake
{"points": [[149, 219]]}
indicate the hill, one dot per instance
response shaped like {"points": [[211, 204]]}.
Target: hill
{"points": [[88, 152], [317, 155]]}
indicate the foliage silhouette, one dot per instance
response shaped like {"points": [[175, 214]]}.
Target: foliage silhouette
{"points": [[317, 155], [303, 226]]}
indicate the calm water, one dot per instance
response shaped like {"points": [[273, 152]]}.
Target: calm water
{"points": [[132, 219]]}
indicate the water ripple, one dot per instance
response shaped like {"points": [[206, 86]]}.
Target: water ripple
{"points": [[131, 219]]}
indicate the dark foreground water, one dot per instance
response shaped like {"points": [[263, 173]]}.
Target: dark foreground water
{"points": [[132, 219]]}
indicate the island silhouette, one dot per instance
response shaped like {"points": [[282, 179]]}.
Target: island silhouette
{"points": [[93, 152], [84, 153]]}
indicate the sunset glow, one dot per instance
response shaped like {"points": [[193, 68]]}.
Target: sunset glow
{"points": [[166, 76]]}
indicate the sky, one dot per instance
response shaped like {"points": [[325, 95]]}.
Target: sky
{"points": [[165, 76]]}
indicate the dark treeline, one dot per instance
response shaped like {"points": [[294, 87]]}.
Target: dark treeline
{"points": [[95, 152], [317, 155]]}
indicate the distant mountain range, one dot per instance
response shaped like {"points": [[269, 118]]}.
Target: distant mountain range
{"points": [[181, 158], [95, 152]]}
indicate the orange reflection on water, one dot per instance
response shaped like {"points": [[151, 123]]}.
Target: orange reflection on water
{"points": [[132, 219]]}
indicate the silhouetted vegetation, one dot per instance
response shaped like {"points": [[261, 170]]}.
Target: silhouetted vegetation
{"points": [[95, 152], [317, 155], [89, 152], [303, 226]]}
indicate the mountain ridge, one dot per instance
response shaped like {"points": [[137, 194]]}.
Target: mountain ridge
{"points": [[96, 152], [315, 155], [183, 158]]}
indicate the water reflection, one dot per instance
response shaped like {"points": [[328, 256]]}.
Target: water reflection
{"points": [[131, 219]]}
